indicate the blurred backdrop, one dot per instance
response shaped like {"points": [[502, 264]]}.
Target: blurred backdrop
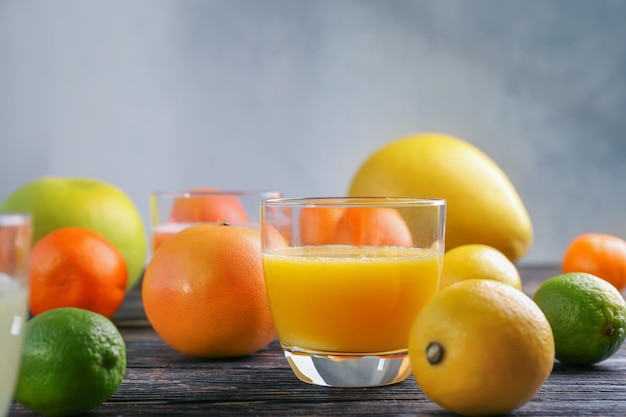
{"points": [[295, 94]]}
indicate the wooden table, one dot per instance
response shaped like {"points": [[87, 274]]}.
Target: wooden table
{"points": [[161, 382]]}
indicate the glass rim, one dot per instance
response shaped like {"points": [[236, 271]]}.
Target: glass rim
{"points": [[355, 201], [12, 218], [232, 192]]}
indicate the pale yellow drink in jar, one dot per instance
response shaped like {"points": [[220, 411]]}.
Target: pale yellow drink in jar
{"points": [[13, 317], [349, 299]]}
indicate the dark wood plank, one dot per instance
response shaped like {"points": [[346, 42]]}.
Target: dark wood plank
{"points": [[162, 382]]}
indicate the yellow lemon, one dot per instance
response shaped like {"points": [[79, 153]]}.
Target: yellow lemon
{"points": [[481, 347], [480, 262], [483, 206]]}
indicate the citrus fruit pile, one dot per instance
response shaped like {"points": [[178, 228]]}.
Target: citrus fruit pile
{"points": [[72, 361], [88, 250], [584, 305], [89, 243], [481, 346]]}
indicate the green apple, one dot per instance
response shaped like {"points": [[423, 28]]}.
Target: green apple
{"points": [[55, 202]]}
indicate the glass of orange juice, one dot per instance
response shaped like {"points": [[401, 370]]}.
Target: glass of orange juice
{"points": [[172, 211], [15, 241], [346, 278]]}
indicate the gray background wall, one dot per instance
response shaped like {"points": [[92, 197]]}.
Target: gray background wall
{"points": [[294, 94]]}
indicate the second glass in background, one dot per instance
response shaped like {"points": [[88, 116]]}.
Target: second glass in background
{"points": [[172, 211]]}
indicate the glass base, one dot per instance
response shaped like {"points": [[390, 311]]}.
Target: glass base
{"points": [[334, 369]]}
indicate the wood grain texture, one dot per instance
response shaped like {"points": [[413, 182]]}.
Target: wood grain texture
{"points": [[162, 382]]}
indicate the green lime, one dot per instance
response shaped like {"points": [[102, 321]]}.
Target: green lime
{"points": [[73, 360], [587, 316]]}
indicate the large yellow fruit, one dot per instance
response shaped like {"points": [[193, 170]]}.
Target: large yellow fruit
{"points": [[482, 203]]}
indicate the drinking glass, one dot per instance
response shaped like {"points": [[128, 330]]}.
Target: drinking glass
{"points": [[346, 278], [172, 211], [15, 241]]}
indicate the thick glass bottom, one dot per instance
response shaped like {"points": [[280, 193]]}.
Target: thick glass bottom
{"points": [[333, 369]]}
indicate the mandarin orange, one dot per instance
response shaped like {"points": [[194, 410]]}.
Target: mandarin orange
{"points": [[598, 254], [77, 267]]}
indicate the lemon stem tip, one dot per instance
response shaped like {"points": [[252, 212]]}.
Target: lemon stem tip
{"points": [[434, 353]]}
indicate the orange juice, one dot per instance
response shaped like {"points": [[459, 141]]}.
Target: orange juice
{"points": [[349, 299]]}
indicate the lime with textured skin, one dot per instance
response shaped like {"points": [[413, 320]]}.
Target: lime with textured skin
{"points": [[587, 316], [72, 361]]}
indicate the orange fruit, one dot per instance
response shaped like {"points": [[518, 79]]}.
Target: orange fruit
{"points": [[204, 292], [208, 205], [373, 226], [598, 254], [317, 224], [77, 267]]}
